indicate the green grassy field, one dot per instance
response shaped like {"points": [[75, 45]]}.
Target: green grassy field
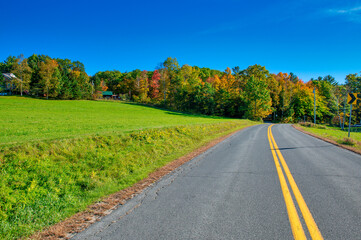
{"points": [[334, 133], [58, 157], [26, 119]]}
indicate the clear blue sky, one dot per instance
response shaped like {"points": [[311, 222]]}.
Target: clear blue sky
{"points": [[306, 37]]}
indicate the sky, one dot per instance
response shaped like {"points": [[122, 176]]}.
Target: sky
{"points": [[310, 38]]}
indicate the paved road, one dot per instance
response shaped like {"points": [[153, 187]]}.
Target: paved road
{"points": [[233, 191]]}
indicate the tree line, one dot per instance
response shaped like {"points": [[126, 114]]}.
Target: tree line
{"points": [[41, 75], [252, 93]]}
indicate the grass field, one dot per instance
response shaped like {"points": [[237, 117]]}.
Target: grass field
{"points": [[334, 133], [24, 119], [57, 157]]}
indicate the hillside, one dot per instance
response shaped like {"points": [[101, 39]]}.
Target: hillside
{"points": [[58, 157], [26, 119]]}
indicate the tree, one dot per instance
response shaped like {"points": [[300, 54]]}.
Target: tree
{"points": [[293, 78], [142, 87], [164, 83], [50, 78], [154, 85], [34, 63], [326, 87], [227, 81], [172, 80], [23, 73], [103, 86], [8, 64], [282, 103], [302, 101], [258, 98], [82, 88], [353, 82]]}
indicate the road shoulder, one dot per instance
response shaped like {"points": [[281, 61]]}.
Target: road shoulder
{"points": [[327, 140]]}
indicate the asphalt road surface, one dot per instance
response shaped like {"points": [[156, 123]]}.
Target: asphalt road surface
{"points": [[265, 182]]}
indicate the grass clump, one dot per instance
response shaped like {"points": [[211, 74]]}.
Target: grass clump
{"points": [[348, 141], [42, 183]]}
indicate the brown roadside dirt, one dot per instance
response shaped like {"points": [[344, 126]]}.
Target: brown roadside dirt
{"points": [[350, 148], [94, 212]]}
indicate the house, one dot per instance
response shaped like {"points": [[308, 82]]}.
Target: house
{"points": [[109, 95], [8, 78]]}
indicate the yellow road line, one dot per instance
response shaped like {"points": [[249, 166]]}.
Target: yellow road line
{"points": [[295, 222], [307, 216]]}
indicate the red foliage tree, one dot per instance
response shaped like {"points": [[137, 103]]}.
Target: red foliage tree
{"points": [[154, 85]]}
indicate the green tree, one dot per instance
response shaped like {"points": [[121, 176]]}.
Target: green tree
{"points": [[23, 73], [353, 82], [326, 88], [257, 97]]}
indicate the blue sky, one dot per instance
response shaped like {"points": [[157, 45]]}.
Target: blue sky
{"points": [[310, 38]]}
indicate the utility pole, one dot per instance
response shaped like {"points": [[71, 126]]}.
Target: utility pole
{"points": [[349, 122], [344, 115], [283, 102], [314, 105]]}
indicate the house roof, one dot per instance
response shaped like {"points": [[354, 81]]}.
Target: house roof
{"points": [[9, 76], [107, 93]]}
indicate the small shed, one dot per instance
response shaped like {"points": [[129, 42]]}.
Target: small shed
{"points": [[109, 95]]}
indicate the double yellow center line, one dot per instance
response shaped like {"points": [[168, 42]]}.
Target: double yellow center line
{"points": [[296, 226]]}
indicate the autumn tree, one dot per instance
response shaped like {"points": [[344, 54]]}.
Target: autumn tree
{"points": [[164, 83], [103, 86], [282, 102], [142, 87], [23, 73], [50, 78], [227, 81], [154, 85]]}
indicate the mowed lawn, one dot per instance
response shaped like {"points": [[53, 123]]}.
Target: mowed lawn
{"points": [[27, 119]]}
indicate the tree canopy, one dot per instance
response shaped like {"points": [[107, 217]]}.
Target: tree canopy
{"points": [[253, 92]]}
